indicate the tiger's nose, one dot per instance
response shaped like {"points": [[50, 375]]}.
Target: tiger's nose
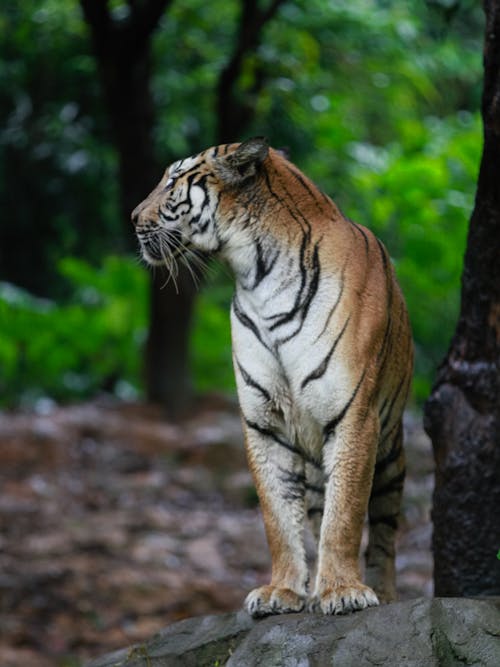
{"points": [[135, 215]]}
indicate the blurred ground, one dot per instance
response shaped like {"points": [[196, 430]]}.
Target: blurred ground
{"points": [[114, 523]]}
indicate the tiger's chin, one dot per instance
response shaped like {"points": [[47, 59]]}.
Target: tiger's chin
{"points": [[151, 259], [156, 257]]}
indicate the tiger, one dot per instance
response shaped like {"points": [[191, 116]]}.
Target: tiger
{"points": [[322, 354]]}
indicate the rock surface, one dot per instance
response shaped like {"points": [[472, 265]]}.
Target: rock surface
{"points": [[444, 632]]}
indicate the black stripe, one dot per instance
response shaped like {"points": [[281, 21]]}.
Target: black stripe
{"points": [[263, 269], [260, 265], [394, 453], [302, 303], [396, 426], [247, 322], [394, 484], [302, 307], [396, 447], [283, 443], [337, 301], [305, 225], [383, 407], [387, 418], [384, 348], [382, 252], [321, 369], [171, 208], [190, 181], [292, 477], [314, 510], [248, 379], [283, 318], [293, 494], [363, 234], [382, 353], [315, 488], [270, 434], [294, 482], [313, 285], [332, 425], [306, 185], [314, 462], [192, 169]]}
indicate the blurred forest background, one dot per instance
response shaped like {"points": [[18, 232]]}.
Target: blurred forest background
{"points": [[376, 100]]}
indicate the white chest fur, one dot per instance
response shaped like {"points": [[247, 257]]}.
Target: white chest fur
{"points": [[274, 364]]}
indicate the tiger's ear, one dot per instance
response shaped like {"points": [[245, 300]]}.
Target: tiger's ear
{"points": [[243, 162]]}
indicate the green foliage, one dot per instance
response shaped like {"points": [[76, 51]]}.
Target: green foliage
{"points": [[74, 349], [376, 101], [92, 342], [418, 196]]}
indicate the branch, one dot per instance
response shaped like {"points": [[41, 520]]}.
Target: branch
{"points": [[252, 21]]}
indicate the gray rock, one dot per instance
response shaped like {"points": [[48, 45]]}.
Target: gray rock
{"points": [[441, 632]]}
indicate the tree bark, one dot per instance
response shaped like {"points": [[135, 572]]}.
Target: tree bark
{"points": [[462, 415], [123, 52]]}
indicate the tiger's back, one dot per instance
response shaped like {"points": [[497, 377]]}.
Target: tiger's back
{"points": [[322, 354]]}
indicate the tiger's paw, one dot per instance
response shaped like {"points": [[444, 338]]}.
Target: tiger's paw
{"points": [[342, 599], [268, 600]]}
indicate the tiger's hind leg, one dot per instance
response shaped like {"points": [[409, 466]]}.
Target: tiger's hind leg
{"points": [[383, 513]]}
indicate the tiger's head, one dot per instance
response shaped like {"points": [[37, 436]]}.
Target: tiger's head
{"points": [[192, 206]]}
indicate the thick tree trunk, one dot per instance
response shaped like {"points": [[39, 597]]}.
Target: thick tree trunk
{"points": [[168, 375], [124, 57], [462, 415]]}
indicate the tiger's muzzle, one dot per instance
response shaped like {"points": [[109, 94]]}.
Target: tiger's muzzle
{"points": [[160, 246]]}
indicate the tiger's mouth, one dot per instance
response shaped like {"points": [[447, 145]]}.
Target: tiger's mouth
{"points": [[161, 248]]}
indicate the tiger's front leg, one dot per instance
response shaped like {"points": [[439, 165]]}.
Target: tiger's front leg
{"points": [[349, 458], [278, 473]]}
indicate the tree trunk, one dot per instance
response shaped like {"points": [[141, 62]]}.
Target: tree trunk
{"points": [[462, 415], [166, 364], [124, 58], [168, 376]]}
